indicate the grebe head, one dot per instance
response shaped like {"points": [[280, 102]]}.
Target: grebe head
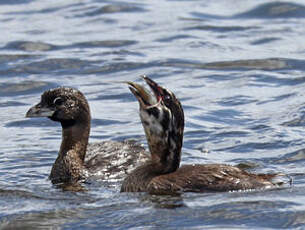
{"points": [[65, 105], [163, 121]]}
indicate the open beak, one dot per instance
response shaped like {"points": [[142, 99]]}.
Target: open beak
{"points": [[39, 111], [145, 98]]}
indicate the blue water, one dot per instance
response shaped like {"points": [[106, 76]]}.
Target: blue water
{"points": [[238, 68]]}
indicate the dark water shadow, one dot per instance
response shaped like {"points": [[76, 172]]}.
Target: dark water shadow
{"points": [[163, 201], [25, 87], [29, 46], [39, 122], [275, 10], [15, 2], [270, 10], [220, 29], [119, 7], [36, 46]]}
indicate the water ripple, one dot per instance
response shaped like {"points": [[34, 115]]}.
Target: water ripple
{"points": [[270, 10], [238, 71], [29, 46], [116, 8], [25, 87], [221, 29], [275, 10]]}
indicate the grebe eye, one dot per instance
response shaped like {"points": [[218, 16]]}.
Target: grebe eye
{"points": [[167, 97], [58, 101]]}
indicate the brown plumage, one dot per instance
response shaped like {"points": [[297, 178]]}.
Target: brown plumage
{"points": [[163, 121], [75, 161]]}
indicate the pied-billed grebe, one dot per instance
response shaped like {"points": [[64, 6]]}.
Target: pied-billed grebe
{"points": [[75, 161], [163, 121]]}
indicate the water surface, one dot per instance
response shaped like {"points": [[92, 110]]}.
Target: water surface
{"points": [[237, 67]]}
